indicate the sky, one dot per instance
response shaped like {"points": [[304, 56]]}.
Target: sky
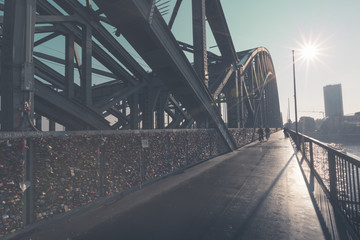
{"points": [[332, 26]]}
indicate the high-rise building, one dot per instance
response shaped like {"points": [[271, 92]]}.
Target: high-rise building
{"points": [[333, 100]]}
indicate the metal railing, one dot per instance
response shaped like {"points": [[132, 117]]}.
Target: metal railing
{"points": [[337, 173]]}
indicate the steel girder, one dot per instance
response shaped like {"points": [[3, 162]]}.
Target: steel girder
{"points": [[162, 53], [70, 113], [79, 28], [171, 86], [132, 85]]}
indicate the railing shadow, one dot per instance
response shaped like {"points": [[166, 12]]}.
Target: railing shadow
{"points": [[256, 208]]}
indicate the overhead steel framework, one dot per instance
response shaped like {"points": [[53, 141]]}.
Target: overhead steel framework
{"points": [[115, 64]]}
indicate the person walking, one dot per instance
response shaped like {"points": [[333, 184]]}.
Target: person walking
{"points": [[261, 134], [286, 135], [267, 133]]}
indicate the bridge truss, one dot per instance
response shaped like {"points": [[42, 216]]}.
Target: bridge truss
{"points": [[115, 64]]}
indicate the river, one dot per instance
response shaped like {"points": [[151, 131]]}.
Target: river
{"points": [[350, 148], [349, 143]]}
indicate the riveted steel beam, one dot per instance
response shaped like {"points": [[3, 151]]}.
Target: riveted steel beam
{"points": [[67, 112], [162, 53], [199, 40], [217, 22]]}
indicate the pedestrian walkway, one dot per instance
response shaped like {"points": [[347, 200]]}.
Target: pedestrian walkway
{"points": [[256, 192]]}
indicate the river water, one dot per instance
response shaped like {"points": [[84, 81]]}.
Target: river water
{"points": [[347, 143], [351, 148]]}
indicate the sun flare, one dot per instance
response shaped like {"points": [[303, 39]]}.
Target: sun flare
{"points": [[309, 52]]}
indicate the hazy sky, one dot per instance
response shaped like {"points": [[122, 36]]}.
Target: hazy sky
{"points": [[283, 25]]}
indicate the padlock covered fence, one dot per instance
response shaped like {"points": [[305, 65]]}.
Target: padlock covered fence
{"points": [[43, 174]]}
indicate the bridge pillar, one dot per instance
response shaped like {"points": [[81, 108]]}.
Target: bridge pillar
{"points": [[134, 111], [51, 125], [231, 103], [38, 122], [17, 78], [86, 65], [160, 106], [146, 107]]}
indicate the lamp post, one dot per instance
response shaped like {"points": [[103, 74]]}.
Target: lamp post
{"points": [[296, 123]]}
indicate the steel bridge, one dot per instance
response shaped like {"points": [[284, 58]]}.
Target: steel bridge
{"points": [[92, 79]]}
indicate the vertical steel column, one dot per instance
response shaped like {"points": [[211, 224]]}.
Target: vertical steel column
{"points": [[238, 99], [51, 125], [160, 124], [261, 106], [38, 122], [199, 40], [242, 82], [253, 83], [69, 65], [160, 106], [86, 70], [332, 173], [17, 83], [146, 106], [232, 102], [134, 111]]}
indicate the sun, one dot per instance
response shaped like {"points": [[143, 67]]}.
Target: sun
{"points": [[309, 52]]}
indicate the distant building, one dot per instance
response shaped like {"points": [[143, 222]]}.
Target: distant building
{"points": [[306, 124], [333, 101], [353, 118]]}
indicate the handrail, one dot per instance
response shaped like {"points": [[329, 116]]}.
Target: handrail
{"points": [[337, 172]]}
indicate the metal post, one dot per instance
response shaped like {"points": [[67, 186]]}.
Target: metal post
{"points": [[311, 155], [242, 79], [332, 174], [238, 99], [17, 84], [296, 123]]}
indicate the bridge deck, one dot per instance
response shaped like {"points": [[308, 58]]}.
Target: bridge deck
{"points": [[256, 192]]}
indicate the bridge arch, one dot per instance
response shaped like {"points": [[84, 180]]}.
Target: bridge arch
{"points": [[251, 96], [260, 81]]}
